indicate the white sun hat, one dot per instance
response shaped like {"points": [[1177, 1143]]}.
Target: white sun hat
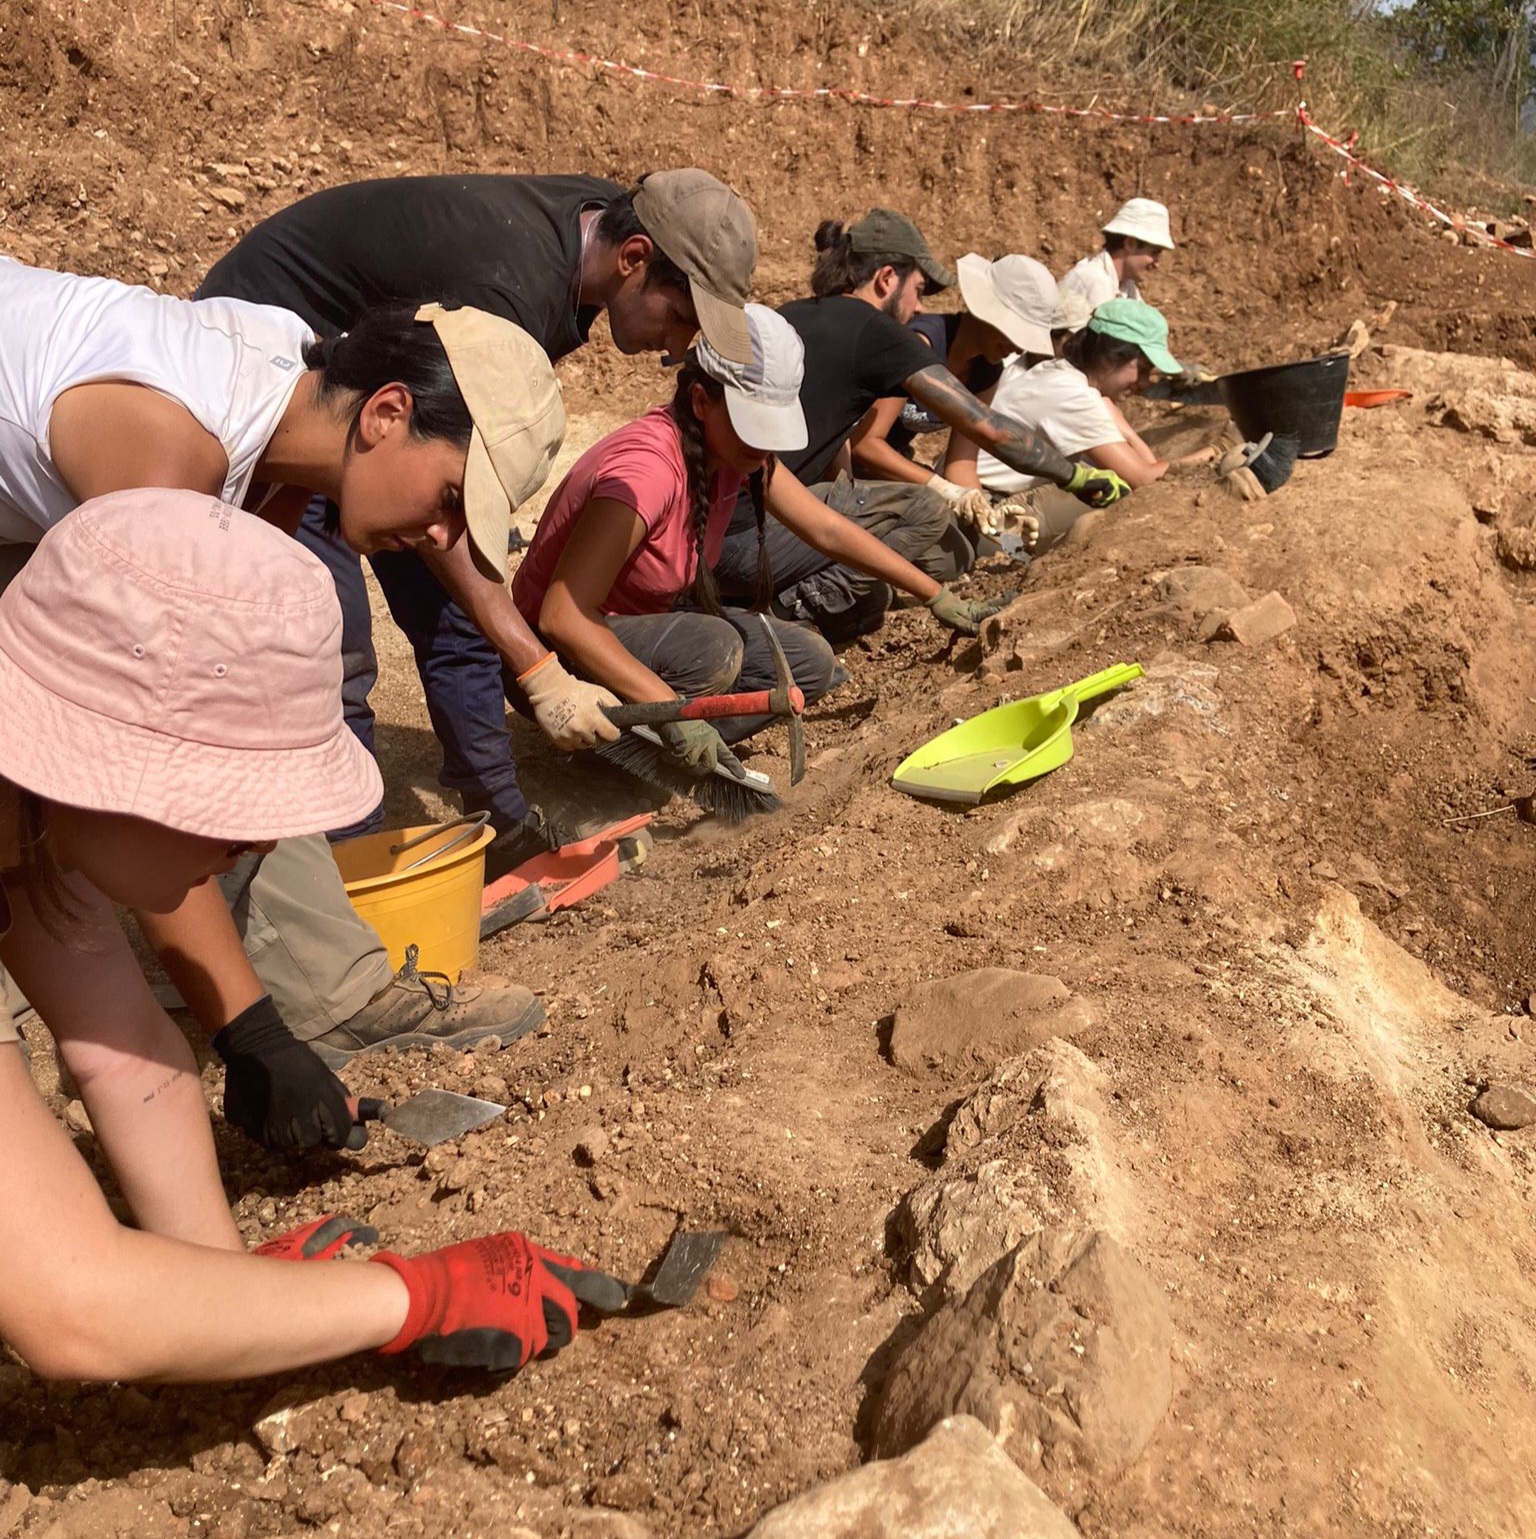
{"points": [[1015, 295], [763, 396], [1144, 220]]}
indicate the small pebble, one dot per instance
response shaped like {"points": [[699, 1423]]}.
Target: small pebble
{"points": [[721, 1287]]}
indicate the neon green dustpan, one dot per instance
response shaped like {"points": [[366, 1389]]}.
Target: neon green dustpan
{"points": [[1005, 746]]}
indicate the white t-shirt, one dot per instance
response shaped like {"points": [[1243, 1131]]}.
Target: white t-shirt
{"points": [[1056, 399], [1096, 280], [233, 365]]}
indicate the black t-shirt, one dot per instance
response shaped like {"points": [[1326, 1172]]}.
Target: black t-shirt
{"points": [[854, 355], [979, 376], [507, 244]]}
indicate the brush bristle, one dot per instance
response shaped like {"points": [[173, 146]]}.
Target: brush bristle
{"points": [[731, 801], [1274, 466]]}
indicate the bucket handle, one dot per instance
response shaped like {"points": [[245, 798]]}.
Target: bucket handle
{"points": [[473, 822]]}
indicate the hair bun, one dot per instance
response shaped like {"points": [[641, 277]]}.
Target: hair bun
{"points": [[829, 233]]}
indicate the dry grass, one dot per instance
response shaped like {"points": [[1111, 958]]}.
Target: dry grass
{"points": [[1236, 54]]}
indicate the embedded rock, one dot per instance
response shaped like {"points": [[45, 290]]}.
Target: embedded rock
{"points": [[955, 1484], [1061, 1349]]}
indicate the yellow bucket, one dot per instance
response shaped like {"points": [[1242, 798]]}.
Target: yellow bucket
{"points": [[421, 887]]}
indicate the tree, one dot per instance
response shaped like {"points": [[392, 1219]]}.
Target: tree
{"points": [[1489, 39]]}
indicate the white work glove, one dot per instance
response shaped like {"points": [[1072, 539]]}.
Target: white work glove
{"points": [[970, 507], [570, 711], [1018, 511]]}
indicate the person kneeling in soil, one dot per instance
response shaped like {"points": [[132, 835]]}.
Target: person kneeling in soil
{"points": [[1074, 401], [170, 699], [869, 281], [618, 576], [1134, 242], [423, 428], [1010, 304]]}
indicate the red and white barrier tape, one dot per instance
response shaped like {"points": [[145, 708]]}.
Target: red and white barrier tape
{"points": [[1344, 148]]}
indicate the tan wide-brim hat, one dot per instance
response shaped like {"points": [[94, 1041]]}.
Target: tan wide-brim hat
{"points": [[519, 416], [1016, 295]]}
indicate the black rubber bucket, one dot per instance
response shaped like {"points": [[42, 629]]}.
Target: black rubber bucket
{"points": [[1293, 400]]}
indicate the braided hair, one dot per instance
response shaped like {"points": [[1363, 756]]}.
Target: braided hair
{"points": [[705, 592]]}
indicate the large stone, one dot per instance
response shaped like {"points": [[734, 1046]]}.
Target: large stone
{"points": [[1256, 623], [1506, 1108], [1026, 1150], [1061, 1349], [969, 1023], [956, 1484], [1196, 591]]}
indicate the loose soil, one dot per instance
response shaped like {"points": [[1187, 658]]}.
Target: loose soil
{"points": [[1299, 966]]}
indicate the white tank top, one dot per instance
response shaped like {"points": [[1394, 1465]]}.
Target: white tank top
{"points": [[233, 365]]}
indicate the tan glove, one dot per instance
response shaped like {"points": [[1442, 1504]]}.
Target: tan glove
{"points": [[1018, 512], [948, 490], [972, 508], [570, 711]]}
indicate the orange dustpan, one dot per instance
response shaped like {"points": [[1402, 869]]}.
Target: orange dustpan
{"points": [[1375, 397], [558, 878]]}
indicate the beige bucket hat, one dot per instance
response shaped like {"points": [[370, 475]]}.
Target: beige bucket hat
{"points": [[1015, 294]]}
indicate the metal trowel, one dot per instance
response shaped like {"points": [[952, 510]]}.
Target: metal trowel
{"points": [[689, 1257], [431, 1116]]}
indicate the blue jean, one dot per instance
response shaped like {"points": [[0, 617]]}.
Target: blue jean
{"points": [[460, 670]]}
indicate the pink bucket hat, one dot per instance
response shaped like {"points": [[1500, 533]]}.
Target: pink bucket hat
{"points": [[167, 656]]}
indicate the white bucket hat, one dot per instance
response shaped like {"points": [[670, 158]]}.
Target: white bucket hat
{"points": [[763, 396], [1015, 294], [1143, 220], [1073, 311]]}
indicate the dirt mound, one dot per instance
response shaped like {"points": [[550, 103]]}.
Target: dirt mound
{"points": [[1288, 953]]}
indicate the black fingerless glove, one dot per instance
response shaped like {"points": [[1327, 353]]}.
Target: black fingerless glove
{"points": [[277, 1091]]}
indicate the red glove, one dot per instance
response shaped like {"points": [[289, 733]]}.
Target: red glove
{"points": [[490, 1303], [319, 1241]]}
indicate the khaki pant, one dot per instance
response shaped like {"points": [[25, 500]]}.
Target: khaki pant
{"points": [[318, 960]]}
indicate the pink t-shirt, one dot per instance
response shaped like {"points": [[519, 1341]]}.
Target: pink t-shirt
{"points": [[641, 466]]}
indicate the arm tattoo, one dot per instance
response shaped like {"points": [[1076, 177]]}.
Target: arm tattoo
{"points": [[1020, 448]]}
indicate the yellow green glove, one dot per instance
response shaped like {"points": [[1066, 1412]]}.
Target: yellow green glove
{"points": [[1098, 488]]}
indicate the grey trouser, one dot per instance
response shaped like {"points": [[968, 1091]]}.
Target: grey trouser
{"points": [[318, 960], [912, 521], [698, 654], [1057, 511]]}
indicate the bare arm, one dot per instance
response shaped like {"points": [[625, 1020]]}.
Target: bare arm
{"points": [[137, 1077], [1130, 466], [1020, 448], [605, 536], [873, 455], [841, 538], [111, 436], [960, 457], [488, 604], [74, 1275]]}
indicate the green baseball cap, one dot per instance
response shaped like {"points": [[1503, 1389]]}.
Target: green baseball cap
{"points": [[882, 232], [1134, 320]]}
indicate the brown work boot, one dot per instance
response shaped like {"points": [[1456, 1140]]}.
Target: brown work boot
{"points": [[419, 1009]]}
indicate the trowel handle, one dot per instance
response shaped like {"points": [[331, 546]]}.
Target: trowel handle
{"points": [[367, 1108], [1101, 683], [761, 702]]}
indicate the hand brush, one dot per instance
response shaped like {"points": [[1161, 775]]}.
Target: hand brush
{"points": [[732, 792]]}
